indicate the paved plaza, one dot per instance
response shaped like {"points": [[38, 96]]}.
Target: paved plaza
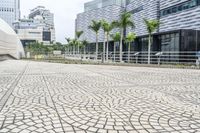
{"points": [[41, 97]]}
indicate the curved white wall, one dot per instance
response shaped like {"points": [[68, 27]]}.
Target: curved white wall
{"points": [[9, 41]]}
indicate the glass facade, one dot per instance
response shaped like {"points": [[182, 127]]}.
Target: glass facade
{"points": [[129, 1], [179, 40], [180, 7], [10, 11], [170, 42], [95, 4], [46, 36], [176, 45]]}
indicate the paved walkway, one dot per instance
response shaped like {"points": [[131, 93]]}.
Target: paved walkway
{"points": [[47, 98]]}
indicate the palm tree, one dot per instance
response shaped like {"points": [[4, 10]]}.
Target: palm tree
{"points": [[68, 45], [74, 44], [151, 26], [78, 35], [124, 22], [95, 26], [107, 27], [84, 44], [116, 38], [130, 38]]}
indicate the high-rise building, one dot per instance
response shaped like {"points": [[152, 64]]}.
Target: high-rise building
{"points": [[179, 29], [47, 16], [10, 11], [38, 27], [108, 10], [179, 24]]}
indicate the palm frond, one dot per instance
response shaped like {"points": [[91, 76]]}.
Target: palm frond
{"points": [[151, 25], [95, 26], [78, 34]]}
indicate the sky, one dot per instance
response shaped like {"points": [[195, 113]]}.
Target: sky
{"points": [[65, 12]]}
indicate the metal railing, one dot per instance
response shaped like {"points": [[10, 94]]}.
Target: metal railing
{"points": [[157, 57], [167, 57]]}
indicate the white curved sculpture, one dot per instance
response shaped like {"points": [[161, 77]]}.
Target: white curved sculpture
{"points": [[9, 41]]}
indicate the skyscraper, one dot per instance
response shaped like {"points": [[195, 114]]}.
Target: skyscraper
{"points": [[39, 26], [179, 28], [108, 10], [10, 11], [47, 16]]}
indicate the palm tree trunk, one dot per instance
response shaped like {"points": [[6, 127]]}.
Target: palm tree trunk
{"points": [[74, 49], [78, 49], [104, 43], [114, 50], [129, 49], [97, 46], [121, 41], [149, 50], [84, 52], [107, 49]]}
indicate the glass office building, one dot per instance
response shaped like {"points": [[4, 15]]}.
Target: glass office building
{"points": [[177, 40], [103, 3], [10, 11], [179, 30]]}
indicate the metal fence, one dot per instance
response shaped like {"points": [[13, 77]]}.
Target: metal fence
{"points": [[181, 58]]}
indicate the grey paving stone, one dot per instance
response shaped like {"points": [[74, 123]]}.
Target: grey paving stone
{"points": [[47, 97]]}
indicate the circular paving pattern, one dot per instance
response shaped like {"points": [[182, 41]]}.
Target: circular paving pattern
{"points": [[59, 98]]}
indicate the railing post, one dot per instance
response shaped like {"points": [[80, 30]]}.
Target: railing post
{"points": [[159, 54], [114, 56], [102, 58], [136, 59], [158, 60], [198, 63]]}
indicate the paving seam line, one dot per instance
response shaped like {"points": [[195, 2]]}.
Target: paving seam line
{"points": [[55, 108], [5, 98]]}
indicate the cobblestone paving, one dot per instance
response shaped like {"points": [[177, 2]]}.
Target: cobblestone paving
{"points": [[57, 98]]}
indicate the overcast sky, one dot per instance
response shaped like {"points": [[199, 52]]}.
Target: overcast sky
{"points": [[64, 12]]}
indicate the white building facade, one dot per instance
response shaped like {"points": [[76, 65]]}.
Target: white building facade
{"points": [[38, 27]]}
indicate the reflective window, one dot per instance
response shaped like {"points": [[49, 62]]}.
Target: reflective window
{"points": [[95, 4], [180, 7], [170, 42], [137, 10]]}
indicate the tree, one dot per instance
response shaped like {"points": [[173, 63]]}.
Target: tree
{"points": [[151, 26], [107, 27], [74, 44], [130, 38], [68, 40], [84, 44], [37, 48], [116, 38], [124, 22], [68, 44], [78, 35], [95, 26]]}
